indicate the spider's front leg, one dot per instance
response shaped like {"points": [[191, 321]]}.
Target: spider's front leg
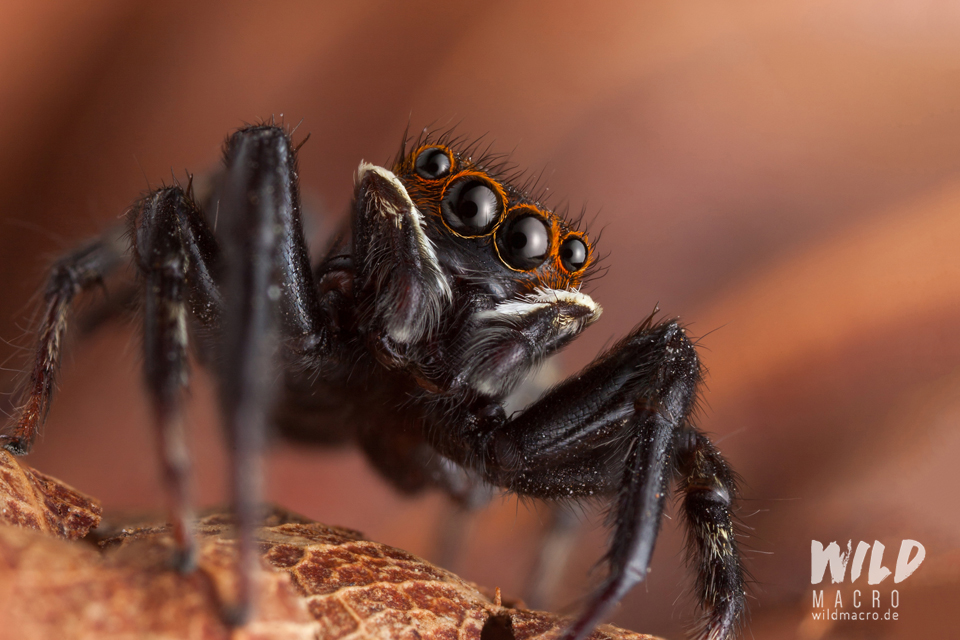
{"points": [[621, 428], [245, 285], [268, 289]]}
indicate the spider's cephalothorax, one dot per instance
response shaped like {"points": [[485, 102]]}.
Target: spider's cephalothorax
{"points": [[447, 259], [448, 285]]}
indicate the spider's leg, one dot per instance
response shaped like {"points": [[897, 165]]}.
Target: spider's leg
{"points": [[265, 271], [79, 270], [638, 508], [468, 493], [401, 456], [555, 548], [709, 487], [176, 254], [612, 429]]}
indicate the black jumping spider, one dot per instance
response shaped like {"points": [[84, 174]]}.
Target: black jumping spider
{"points": [[448, 286]]}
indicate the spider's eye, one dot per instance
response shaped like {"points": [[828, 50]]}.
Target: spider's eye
{"points": [[472, 208], [525, 242], [433, 163], [573, 254]]}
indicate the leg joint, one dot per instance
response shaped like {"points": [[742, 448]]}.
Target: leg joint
{"points": [[678, 347], [708, 493]]}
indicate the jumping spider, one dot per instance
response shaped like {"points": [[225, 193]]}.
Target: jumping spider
{"points": [[447, 287]]}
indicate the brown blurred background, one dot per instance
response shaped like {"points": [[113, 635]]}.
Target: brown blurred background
{"points": [[785, 177]]}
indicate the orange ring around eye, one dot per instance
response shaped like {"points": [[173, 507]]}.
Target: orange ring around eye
{"points": [[416, 155], [549, 222], [487, 180], [586, 243]]}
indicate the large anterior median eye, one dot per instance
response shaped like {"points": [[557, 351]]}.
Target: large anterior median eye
{"points": [[471, 207], [433, 163], [573, 254], [524, 242]]}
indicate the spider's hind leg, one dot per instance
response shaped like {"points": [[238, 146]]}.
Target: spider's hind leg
{"points": [[556, 547], [78, 271], [709, 488]]}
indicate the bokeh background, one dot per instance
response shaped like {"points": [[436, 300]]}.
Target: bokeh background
{"points": [[783, 176]]}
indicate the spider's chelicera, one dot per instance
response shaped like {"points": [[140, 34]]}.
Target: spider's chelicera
{"points": [[446, 288]]}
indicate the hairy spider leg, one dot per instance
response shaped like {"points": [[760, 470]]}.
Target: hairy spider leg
{"points": [[243, 285], [267, 285], [77, 271], [555, 549], [246, 284], [173, 247], [613, 429], [709, 488], [669, 374]]}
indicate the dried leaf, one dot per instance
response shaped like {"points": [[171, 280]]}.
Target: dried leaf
{"points": [[35, 501], [317, 582]]}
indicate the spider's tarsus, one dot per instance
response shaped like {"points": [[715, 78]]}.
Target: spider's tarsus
{"points": [[236, 614], [14, 445], [184, 560]]}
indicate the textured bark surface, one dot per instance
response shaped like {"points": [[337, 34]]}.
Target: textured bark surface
{"points": [[317, 581]]}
